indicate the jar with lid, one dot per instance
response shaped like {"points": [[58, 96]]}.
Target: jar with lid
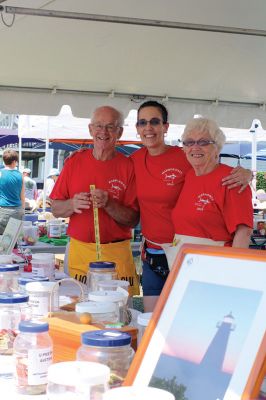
{"points": [[30, 235], [138, 393], [100, 271], [111, 296], [23, 280], [109, 347], [54, 228], [33, 354], [43, 264], [113, 285], [43, 297], [143, 321], [14, 308], [9, 274], [77, 380], [42, 228], [97, 313]]}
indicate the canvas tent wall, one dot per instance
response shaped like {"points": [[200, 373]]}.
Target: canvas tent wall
{"points": [[49, 62]]}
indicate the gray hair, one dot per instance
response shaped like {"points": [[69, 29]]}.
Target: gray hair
{"points": [[203, 125], [120, 117]]}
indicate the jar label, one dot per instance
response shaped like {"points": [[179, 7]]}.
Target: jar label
{"points": [[39, 305], [54, 231], [32, 370]]}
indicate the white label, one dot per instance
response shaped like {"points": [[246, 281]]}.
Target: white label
{"points": [[55, 231], [38, 363], [38, 271], [39, 305]]}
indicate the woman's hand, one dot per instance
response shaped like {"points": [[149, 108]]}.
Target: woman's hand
{"points": [[239, 176]]}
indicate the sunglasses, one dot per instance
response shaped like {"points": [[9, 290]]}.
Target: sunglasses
{"points": [[200, 142], [153, 122]]}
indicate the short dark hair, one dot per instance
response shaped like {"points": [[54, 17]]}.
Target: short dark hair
{"points": [[159, 106], [10, 155]]}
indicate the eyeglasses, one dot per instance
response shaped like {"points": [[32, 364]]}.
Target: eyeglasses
{"points": [[153, 122], [200, 142], [109, 127]]}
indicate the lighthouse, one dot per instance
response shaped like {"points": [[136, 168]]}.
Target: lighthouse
{"points": [[214, 356]]}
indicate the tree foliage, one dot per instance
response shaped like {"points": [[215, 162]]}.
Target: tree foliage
{"points": [[261, 181], [171, 386]]}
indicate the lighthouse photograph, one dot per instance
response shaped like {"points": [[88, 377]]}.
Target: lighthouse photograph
{"points": [[204, 344]]}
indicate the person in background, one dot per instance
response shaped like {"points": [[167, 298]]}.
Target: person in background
{"points": [[51, 179], [114, 196], [31, 192], [160, 172], [207, 212], [12, 192]]}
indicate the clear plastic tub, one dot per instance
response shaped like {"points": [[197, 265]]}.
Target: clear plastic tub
{"points": [[43, 298], [43, 264], [143, 320], [14, 308], [138, 393], [23, 280], [104, 313], [54, 229], [100, 271], [9, 274], [30, 235], [77, 380], [111, 296], [108, 347], [33, 354]]}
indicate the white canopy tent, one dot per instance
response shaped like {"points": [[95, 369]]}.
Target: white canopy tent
{"points": [[134, 50]]}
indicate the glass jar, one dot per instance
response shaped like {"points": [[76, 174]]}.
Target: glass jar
{"points": [[143, 320], [77, 380], [30, 235], [54, 228], [138, 393], [104, 313], [42, 227], [100, 271], [113, 285], [9, 274], [23, 280], [111, 296], [33, 354], [43, 264], [43, 298], [14, 308], [109, 347]]}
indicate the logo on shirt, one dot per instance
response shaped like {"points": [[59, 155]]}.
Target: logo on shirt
{"points": [[203, 200], [116, 187], [171, 176]]}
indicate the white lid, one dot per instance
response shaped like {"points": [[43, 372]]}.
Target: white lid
{"points": [[113, 283], [95, 308], [106, 295], [76, 373], [137, 393], [43, 256], [144, 318], [40, 286]]}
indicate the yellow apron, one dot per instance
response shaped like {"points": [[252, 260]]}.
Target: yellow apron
{"points": [[82, 253]]}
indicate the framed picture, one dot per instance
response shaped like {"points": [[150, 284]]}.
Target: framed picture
{"points": [[10, 235], [206, 338]]}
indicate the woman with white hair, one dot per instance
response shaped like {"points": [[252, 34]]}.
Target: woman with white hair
{"points": [[207, 212]]}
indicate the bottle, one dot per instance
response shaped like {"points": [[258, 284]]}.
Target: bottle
{"points": [[33, 354], [100, 271], [108, 347]]}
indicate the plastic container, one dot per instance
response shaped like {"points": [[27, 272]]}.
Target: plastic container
{"points": [[109, 347], [9, 274], [43, 298], [77, 380], [138, 393], [100, 271], [104, 313], [14, 308], [33, 217], [111, 296], [54, 228], [42, 227], [33, 354], [112, 285], [143, 320], [43, 264], [30, 235], [23, 280], [6, 258]]}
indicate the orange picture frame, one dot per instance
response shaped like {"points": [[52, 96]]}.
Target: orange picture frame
{"points": [[184, 351]]}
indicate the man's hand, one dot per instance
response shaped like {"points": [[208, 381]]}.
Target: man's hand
{"points": [[99, 198], [81, 201], [239, 176]]}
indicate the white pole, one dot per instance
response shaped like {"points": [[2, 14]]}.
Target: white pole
{"points": [[46, 163], [253, 130]]}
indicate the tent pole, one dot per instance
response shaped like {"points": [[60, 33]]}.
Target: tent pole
{"points": [[253, 132], [46, 164]]}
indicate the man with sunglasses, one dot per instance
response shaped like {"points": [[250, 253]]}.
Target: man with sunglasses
{"points": [[160, 174], [114, 196]]}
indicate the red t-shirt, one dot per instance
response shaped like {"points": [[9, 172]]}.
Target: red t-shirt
{"points": [[207, 209], [115, 176], [159, 182]]}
